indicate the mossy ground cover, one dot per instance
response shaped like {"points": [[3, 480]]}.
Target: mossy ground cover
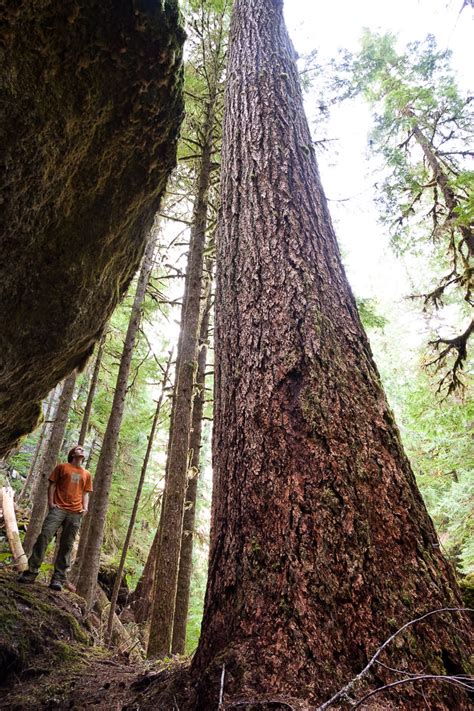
{"points": [[41, 635], [49, 658]]}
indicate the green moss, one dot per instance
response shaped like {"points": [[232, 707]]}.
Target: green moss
{"points": [[466, 586], [35, 631]]}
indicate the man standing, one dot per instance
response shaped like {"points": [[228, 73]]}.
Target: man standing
{"points": [[68, 500]]}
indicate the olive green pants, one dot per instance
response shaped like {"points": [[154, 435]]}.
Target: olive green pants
{"points": [[55, 519]]}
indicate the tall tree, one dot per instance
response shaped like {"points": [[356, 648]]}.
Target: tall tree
{"points": [[423, 129], [91, 393], [211, 34], [320, 542], [142, 596], [87, 577], [48, 463], [186, 554], [133, 516]]}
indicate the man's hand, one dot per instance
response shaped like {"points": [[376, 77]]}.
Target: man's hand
{"points": [[51, 492]]}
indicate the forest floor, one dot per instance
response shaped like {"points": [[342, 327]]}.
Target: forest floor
{"points": [[50, 659]]}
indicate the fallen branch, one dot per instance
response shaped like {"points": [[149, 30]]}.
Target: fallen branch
{"points": [[345, 691], [19, 556], [454, 680]]}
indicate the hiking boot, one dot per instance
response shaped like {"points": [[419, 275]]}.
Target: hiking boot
{"points": [[56, 584], [27, 577]]}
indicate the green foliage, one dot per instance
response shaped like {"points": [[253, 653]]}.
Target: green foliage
{"points": [[423, 138], [437, 436], [369, 313]]}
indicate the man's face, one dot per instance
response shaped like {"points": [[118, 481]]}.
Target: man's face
{"points": [[79, 453]]}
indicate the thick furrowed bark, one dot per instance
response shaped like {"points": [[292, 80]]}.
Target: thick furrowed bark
{"points": [[320, 541]]}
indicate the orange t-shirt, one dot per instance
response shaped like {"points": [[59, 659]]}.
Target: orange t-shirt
{"points": [[71, 483]]}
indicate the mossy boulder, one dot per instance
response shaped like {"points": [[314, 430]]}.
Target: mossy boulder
{"points": [[39, 630], [90, 112]]}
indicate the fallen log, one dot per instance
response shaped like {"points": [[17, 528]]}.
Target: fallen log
{"points": [[19, 557]]}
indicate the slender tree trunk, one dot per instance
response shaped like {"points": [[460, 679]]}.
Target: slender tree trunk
{"points": [[87, 577], [37, 473], [118, 577], [91, 450], [167, 564], [91, 394], [186, 557], [79, 558], [39, 444], [142, 599], [321, 545], [49, 462]]}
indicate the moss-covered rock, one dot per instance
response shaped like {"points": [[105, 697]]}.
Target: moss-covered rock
{"points": [[90, 112], [39, 630]]}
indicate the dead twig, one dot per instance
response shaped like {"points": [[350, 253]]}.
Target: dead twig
{"points": [[347, 689], [455, 681]]}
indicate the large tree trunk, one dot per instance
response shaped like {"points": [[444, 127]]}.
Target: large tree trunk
{"points": [[87, 577], [91, 394], [48, 463], [320, 542], [171, 522], [133, 515], [186, 556]]}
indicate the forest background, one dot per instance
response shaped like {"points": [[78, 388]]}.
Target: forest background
{"points": [[436, 428]]}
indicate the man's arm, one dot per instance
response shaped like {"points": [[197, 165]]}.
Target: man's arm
{"points": [[51, 490], [85, 502]]}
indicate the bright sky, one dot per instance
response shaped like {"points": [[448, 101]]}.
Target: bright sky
{"points": [[328, 26]]}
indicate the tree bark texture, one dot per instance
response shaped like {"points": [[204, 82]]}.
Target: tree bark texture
{"points": [[90, 395], [321, 545], [186, 555], [142, 597], [19, 557], [133, 515], [48, 463], [87, 577], [81, 547], [171, 523]]}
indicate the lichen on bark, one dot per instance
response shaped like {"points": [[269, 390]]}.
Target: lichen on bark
{"points": [[91, 108]]}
